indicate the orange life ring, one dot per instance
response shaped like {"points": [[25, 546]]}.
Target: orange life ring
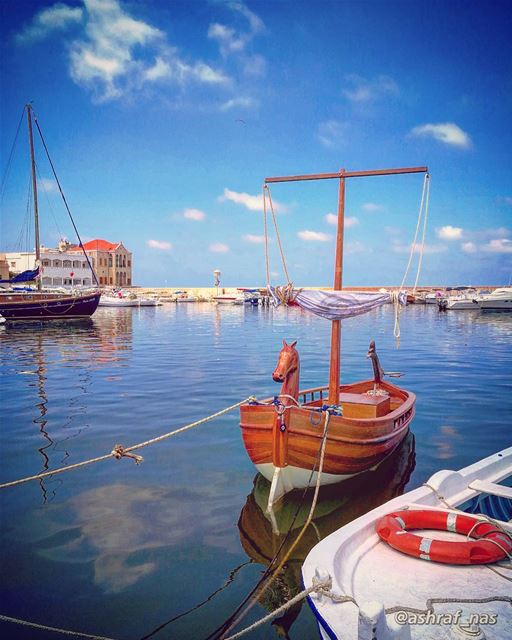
{"points": [[488, 544]]}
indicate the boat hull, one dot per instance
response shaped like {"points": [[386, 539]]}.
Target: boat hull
{"points": [[291, 442], [44, 307]]}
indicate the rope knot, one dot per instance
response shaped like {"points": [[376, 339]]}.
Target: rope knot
{"points": [[120, 452]]}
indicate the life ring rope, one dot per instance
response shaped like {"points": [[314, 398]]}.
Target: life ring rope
{"points": [[484, 543]]}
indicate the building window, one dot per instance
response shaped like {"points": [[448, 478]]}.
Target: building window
{"points": [[93, 260], [66, 263], [57, 263], [129, 263], [110, 279], [78, 264], [47, 280], [68, 281], [46, 263], [57, 281], [110, 261], [129, 282]]}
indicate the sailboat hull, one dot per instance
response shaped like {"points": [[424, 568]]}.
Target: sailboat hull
{"points": [[47, 306], [355, 442]]}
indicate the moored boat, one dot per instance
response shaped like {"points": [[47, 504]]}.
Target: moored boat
{"points": [[330, 433], [375, 586], [498, 300], [41, 305]]}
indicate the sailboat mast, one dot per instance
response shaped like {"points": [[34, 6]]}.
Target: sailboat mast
{"points": [[334, 372], [34, 191]]}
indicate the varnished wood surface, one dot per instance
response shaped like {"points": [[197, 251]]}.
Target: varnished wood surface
{"points": [[353, 444]]}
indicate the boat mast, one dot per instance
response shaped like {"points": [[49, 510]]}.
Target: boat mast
{"points": [[334, 372], [34, 191], [335, 364]]}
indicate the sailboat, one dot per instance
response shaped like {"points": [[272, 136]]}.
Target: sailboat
{"points": [[44, 305], [367, 420]]}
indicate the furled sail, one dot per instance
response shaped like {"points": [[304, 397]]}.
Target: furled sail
{"points": [[25, 276], [338, 305]]}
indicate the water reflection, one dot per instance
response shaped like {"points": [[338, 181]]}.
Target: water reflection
{"points": [[121, 528], [337, 505]]}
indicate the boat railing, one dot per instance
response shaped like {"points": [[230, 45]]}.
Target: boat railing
{"points": [[313, 395]]}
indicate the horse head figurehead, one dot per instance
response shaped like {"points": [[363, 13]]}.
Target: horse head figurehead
{"points": [[287, 370]]}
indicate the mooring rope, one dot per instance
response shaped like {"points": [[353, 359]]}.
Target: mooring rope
{"points": [[120, 452], [257, 595], [44, 627]]}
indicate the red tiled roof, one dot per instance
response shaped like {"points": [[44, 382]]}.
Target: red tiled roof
{"points": [[98, 245]]}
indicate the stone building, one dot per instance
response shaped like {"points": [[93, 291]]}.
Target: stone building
{"points": [[67, 265]]}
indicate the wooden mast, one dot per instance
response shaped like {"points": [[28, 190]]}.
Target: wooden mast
{"points": [[334, 373], [34, 191], [335, 366]]}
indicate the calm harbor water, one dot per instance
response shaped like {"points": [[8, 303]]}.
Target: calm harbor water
{"points": [[120, 550]]}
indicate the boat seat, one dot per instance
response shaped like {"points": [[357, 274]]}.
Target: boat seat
{"points": [[491, 488], [361, 405]]}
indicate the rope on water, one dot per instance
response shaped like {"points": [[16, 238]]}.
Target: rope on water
{"points": [[124, 452], [318, 586], [43, 627], [257, 595]]}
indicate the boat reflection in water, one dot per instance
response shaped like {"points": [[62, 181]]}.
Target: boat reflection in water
{"points": [[337, 505]]}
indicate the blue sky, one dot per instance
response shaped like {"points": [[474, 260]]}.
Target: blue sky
{"points": [[163, 118]]}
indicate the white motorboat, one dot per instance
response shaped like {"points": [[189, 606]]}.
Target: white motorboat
{"points": [[227, 298], [433, 298], [375, 591], [121, 299], [463, 302], [499, 299]]}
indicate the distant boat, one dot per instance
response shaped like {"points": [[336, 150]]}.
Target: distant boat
{"points": [[227, 298], [122, 299], [182, 296], [40, 305], [498, 300], [382, 568]]}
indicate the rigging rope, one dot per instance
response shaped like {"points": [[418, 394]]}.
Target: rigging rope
{"points": [[64, 200], [278, 238], [43, 627], [119, 451], [257, 595], [11, 154]]}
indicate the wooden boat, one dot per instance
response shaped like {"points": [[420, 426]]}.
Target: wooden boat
{"points": [[381, 583], [368, 419], [40, 305]]}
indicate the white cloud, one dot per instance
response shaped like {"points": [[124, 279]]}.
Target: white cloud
{"points": [[47, 184], [372, 207], [427, 249], [253, 203], [448, 133], [354, 247], [162, 245], [361, 90], [449, 233], [230, 40], [161, 69], [350, 221], [332, 133], [254, 239], [468, 247], [194, 214], [57, 17], [116, 54], [254, 65], [219, 247], [500, 245], [242, 102], [313, 236]]}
